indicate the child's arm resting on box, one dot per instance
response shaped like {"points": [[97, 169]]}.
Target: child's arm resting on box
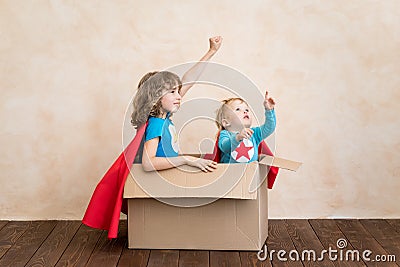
{"points": [[151, 163]]}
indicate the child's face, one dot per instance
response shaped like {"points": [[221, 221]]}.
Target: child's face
{"points": [[238, 116], [171, 101]]}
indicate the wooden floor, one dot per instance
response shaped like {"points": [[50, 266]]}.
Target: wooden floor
{"points": [[69, 243]]}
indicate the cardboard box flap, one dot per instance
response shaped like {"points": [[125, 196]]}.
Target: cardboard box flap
{"points": [[227, 181], [281, 163]]}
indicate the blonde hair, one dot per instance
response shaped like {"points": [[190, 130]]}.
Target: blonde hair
{"points": [[151, 88], [221, 111]]}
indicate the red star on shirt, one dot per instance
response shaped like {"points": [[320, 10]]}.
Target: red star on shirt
{"points": [[243, 150]]}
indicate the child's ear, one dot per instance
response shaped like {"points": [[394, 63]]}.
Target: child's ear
{"points": [[225, 123]]}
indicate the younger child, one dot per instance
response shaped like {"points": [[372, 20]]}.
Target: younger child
{"points": [[237, 141]]}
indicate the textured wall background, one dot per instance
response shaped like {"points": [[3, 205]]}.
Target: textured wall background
{"points": [[68, 70]]}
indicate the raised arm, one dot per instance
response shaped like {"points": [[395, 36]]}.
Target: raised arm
{"points": [[270, 120], [194, 72]]}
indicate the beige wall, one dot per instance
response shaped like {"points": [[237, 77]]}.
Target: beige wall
{"points": [[68, 70]]}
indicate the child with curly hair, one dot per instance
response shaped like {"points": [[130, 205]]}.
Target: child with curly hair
{"points": [[158, 97]]}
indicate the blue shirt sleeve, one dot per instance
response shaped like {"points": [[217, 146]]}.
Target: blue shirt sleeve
{"points": [[154, 128], [227, 141], [265, 130]]}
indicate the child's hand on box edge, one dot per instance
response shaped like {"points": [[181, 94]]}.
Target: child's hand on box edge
{"points": [[203, 164]]}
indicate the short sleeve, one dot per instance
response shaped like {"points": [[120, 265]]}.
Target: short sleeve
{"points": [[154, 128]]}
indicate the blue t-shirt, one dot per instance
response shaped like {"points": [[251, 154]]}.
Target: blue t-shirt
{"points": [[245, 151], [165, 130]]}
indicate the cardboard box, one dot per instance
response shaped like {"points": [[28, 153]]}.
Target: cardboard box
{"points": [[235, 218]]}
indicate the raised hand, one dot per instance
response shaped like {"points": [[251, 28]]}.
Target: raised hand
{"points": [[193, 74], [269, 103], [215, 43]]}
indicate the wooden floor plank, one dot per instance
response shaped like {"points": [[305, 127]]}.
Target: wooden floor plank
{"points": [[10, 233], [107, 252], [250, 259], [224, 259], [134, 257], [168, 258], [329, 234], [81, 247], [53, 247], [385, 234], [194, 258], [23, 249], [395, 223], [2, 224], [68, 243], [305, 239], [279, 239], [361, 239]]}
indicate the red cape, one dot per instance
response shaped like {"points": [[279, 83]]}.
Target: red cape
{"points": [[106, 204]]}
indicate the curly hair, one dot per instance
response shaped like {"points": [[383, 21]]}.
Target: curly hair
{"points": [[151, 88], [223, 108]]}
